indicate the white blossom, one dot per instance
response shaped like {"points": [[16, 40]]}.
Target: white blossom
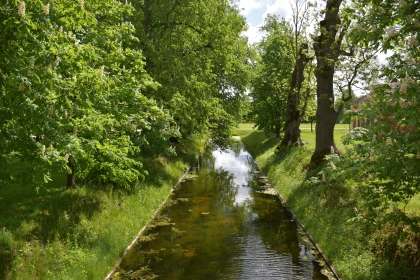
{"points": [[413, 41], [101, 71], [406, 83], [32, 62], [47, 9], [392, 31], [411, 60], [22, 9], [389, 141], [57, 61]]}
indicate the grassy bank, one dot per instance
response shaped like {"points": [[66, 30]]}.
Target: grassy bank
{"points": [[325, 209], [57, 233]]}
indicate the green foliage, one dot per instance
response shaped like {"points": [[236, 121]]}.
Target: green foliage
{"points": [[356, 134], [195, 50], [389, 159], [72, 90], [273, 75]]}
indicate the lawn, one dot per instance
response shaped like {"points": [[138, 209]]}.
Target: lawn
{"points": [[307, 136]]}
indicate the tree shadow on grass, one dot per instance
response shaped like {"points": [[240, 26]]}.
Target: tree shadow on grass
{"points": [[42, 216], [257, 143]]}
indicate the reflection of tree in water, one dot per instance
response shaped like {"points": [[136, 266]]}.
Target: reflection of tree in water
{"points": [[236, 147], [225, 188], [275, 225]]}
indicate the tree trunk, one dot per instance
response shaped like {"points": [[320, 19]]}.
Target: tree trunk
{"points": [[292, 131], [71, 178], [326, 118], [312, 130], [277, 128], [327, 48]]}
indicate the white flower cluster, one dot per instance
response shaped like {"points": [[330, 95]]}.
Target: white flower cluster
{"points": [[413, 41], [406, 83], [389, 141], [47, 9], [31, 62], [22, 9], [392, 31]]}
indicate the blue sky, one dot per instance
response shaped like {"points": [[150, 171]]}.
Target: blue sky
{"points": [[256, 10]]}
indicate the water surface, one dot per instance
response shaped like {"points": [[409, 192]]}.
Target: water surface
{"points": [[223, 222]]}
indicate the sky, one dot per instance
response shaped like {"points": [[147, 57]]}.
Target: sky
{"points": [[256, 10]]}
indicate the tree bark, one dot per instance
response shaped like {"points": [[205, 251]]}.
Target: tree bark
{"points": [[292, 131], [71, 178], [327, 48], [277, 128]]}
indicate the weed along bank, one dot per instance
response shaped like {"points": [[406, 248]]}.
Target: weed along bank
{"points": [[224, 221]]}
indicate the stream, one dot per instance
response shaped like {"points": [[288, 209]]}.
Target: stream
{"points": [[224, 221]]}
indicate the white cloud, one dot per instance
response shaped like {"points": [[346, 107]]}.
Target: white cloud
{"points": [[254, 34], [246, 6], [279, 7], [252, 9]]}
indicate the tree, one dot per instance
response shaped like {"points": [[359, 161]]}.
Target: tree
{"points": [[391, 159], [72, 93], [294, 115], [269, 87], [195, 51], [328, 48]]}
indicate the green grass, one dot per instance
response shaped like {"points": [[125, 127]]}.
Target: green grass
{"points": [[307, 136], [318, 206], [78, 234], [413, 207]]}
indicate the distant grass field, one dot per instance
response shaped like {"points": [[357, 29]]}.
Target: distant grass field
{"points": [[307, 136]]}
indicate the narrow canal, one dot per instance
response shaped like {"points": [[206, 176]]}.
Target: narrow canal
{"points": [[223, 222]]}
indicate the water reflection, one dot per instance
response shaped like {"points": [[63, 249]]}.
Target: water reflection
{"points": [[221, 225]]}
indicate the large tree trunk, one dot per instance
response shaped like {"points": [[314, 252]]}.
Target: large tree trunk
{"points": [[327, 48], [326, 118], [292, 131]]}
